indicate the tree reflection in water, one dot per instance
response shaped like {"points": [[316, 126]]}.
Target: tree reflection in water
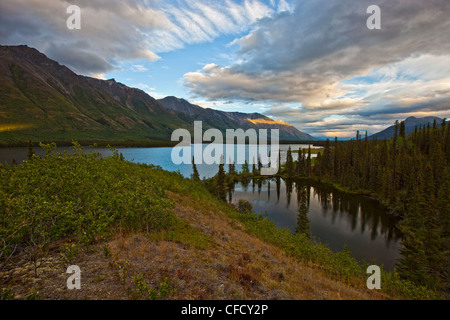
{"points": [[333, 217]]}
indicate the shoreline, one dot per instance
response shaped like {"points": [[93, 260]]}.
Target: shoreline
{"points": [[133, 144], [392, 211]]}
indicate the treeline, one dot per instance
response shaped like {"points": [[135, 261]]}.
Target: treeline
{"points": [[97, 144], [409, 174], [412, 175]]}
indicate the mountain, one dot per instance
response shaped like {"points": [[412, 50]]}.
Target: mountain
{"points": [[225, 120], [43, 100], [410, 125]]}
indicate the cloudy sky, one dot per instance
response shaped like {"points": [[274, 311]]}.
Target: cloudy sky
{"points": [[312, 63]]}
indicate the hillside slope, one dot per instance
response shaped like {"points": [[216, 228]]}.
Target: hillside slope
{"points": [[176, 242], [43, 100]]}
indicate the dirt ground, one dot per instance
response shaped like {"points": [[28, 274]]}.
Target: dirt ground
{"points": [[226, 263]]}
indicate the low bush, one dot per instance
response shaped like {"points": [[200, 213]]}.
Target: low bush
{"points": [[81, 197]]}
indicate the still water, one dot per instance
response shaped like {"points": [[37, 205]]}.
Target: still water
{"points": [[335, 218], [157, 156]]}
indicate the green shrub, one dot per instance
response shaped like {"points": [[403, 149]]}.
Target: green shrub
{"points": [[80, 197], [244, 206]]}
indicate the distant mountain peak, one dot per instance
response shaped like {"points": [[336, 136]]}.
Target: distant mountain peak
{"points": [[410, 125], [223, 120]]}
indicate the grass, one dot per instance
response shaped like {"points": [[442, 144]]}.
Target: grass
{"points": [[337, 264], [43, 112], [184, 234], [139, 232]]}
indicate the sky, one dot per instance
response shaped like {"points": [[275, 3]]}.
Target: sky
{"points": [[312, 63]]}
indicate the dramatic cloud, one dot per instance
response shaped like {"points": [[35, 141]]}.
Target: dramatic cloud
{"points": [[312, 63], [113, 31], [110, 31], [322, 56], [217, 82]]}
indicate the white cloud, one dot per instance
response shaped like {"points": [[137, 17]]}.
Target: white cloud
{"points": [[152, 91], [283, 5], [204, 20], [138, 68], [322, 57], [116, 30], [218, 105]]}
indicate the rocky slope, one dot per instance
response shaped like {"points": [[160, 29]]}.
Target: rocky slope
{"points": [[225, 120]]}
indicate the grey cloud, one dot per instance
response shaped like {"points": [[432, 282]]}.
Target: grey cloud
{"points": [[80, 61], [323, 42], [305, 55], [116, 30], [106, 36], [436, 105]]}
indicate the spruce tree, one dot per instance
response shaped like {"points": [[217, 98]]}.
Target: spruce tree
{"points": [[289, 163], [413, 263], [195, 175], [336, 159], [221, 187], [411, 175], [318, 168], [402, 130], [433, 240], [231, 168], [300, 168], [308, 162], [324, 161], [396, 129], [245, 168]]}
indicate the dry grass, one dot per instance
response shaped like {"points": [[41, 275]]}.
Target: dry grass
{"points": [[225, 262]]}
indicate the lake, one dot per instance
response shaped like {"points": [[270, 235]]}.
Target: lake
{"points": [[336, 218], [157, 156]]}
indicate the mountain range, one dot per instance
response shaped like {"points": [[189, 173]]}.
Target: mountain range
{"points": [[410, 124], [41, 100], [229, 120]]}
